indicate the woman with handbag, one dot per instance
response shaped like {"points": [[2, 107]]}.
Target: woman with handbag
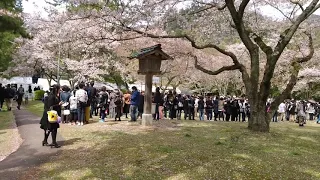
{"points": [[51, 102]]}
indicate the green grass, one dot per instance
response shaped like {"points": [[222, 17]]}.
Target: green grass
{"points": [[9, 136], [35, 107], [186, 150]]}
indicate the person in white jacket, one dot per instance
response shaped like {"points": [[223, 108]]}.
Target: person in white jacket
{"points": [[73, 108], [82, 98]]}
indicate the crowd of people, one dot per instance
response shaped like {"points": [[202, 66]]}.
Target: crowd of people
{"points": [[9, 93], [297, 111], [77, 106]]}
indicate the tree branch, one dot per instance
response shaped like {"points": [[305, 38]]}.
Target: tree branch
{"points": [[263, 46], [297, 3], [286, 37], [242, 7], [224, 68], [295, 68]]}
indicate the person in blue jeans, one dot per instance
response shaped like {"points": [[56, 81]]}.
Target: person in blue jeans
{"points": [[201, 108], [209, 107], [135, 99]]}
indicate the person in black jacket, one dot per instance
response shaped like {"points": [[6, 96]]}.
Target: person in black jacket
{"points": [[235, 109], [8, 96], [141, 104], [201, 108], [157, 100], [209, 108], [228, 110], [51, 102], [1, 96], [191, 103]]}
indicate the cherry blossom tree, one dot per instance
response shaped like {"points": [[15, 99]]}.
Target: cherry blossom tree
{"points": [[262, 40]]}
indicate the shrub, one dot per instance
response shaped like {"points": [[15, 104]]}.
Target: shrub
{"points": [[38, 95]]}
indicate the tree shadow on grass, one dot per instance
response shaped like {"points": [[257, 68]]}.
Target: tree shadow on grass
{"points": [[174, 154]]}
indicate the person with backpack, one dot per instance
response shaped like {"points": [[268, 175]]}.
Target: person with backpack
{"points": [[82, 98], [103, 103], [51, 102], [20, 94]]}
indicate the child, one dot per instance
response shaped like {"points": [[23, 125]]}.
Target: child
{"points": [[73, 108]]}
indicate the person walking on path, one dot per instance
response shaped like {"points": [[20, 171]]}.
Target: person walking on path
{"points": [[20, 94], [135, 98], [51, 102], [8, 96], [2, 92]]}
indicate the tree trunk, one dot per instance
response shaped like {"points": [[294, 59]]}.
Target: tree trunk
{"points": [[259, 120]]}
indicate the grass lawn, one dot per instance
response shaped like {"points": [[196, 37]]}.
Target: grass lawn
{"points": [[9, 135], [185, 150]]}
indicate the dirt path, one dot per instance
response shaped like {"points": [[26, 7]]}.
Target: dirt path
{"points": [[31, 153]]}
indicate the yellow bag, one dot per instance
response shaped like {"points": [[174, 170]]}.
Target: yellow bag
{"points": [[52, 116]]}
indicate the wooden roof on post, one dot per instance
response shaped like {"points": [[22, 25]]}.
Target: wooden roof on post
{"points": [[145, 52]]}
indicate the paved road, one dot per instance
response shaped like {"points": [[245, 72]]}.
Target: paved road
{"points": [[31, 153]]}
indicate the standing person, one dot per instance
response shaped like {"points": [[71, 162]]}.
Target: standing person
{"points": [[51, 102], [82, 98], [103, 103], [64, 97], [141, 105], [112, 105], [157, 100], [216, 108], [135, 99], [221, 104], [118, 109], [73, 108], [191, 107], [281, 111], [201, 108], [30, 95], [185, 107], [242, 109], [234, 110], [20, 94], [8, 96], [196, 106], [311, 111], [2, 93], [180, 106], [228, 110], [301, 116], [126, 108], [209, 107], [92, 95]]}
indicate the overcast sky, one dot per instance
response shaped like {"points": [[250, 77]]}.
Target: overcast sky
{"points": [[36, 6]]}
